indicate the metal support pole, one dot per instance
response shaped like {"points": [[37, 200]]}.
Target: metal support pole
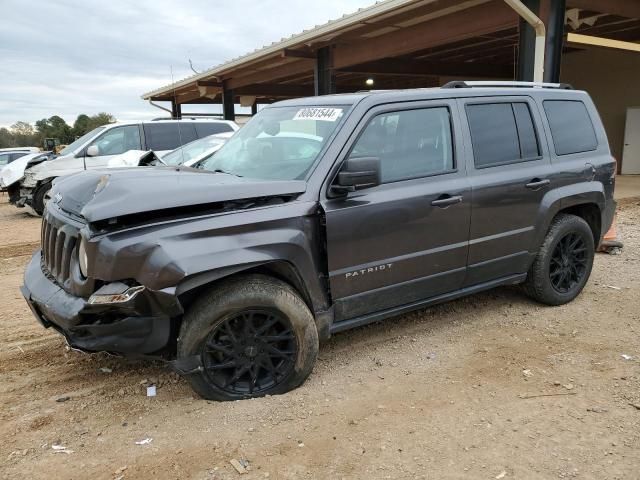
{"points": [[555, 40], [176, 110], [228, 103], [254, 108], [527, 45], [324, 78], [533, 20]]}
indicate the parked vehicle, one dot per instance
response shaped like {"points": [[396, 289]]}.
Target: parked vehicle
{"points": [[186, 155], [95, 149], [196, 151], [324, 214], [8, 155], [11, 174]]}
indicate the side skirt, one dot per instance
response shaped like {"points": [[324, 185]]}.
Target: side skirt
{"points": [[392, 312]]}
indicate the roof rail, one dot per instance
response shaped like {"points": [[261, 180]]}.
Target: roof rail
{"points": [[510, 84]]}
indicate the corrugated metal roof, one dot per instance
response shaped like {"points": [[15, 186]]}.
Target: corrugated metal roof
{"points": [[320, 32]]}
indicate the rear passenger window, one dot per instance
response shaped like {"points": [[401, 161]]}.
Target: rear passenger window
{"points": [[168, 135], [502, 133], [409, 143], [204, 129], [571, 126]]}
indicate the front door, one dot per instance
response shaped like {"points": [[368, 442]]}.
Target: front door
{"points": [[405, 240], [111, 143]]}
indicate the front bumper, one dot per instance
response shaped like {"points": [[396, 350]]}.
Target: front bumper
{"points": [[139, 326]]}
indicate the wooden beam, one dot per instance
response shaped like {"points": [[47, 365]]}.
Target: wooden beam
{"points": [[622, 8], [276, 90], [289, 53], [473, 22], [209, 83], [396, 19], [185, 97], [271, 74], [411, 68]]}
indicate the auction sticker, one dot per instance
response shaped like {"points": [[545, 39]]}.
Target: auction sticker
{"points": [[325, 114]]}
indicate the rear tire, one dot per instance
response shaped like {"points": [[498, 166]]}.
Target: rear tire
{"points": [[40, 197], [254, 335], [563, 263]]}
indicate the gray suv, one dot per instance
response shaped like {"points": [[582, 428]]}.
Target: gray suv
{"points": [[324, 214]]}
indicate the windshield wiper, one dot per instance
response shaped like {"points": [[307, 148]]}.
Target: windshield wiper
{"points": [[219, 170]]}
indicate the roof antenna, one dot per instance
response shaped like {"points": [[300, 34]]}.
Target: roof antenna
{"points": [[175, 102]]}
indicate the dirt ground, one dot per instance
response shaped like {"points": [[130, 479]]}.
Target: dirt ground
{"points": [[489, 387]]}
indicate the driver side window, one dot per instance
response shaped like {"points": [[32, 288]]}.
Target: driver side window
{"points": [[409, 143], [118, 140]]}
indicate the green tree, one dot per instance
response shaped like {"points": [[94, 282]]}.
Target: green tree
{"points": [[23, 134], [55, 127], [81, 125], [6, 138], [100, 119]]}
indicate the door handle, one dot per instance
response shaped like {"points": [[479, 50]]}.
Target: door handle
{"points": [[446, 200], [537, 183]]}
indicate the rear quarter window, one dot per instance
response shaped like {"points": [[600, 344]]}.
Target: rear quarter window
{"points": [[204, 129], [571, 127], [168, 136]]}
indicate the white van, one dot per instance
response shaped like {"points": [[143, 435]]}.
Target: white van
{"points": [[96, 148]]}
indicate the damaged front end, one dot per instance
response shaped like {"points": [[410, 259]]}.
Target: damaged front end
{"points": [[21, 193], [112, 268], [119, 317]]}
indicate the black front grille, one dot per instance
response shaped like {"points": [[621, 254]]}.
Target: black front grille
{"points": [[58, 244]]}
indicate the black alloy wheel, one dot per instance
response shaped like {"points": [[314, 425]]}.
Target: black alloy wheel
{"points": [[569, 262], [563, 263], [250, 352]]}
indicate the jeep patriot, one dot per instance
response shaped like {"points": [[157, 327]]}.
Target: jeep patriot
{"points": [[324, 214]]}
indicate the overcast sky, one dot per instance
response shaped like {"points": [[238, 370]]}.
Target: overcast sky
{"points": [[67, 57]]}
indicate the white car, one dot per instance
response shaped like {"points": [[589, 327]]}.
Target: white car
{"points": [[14, 171], [97, 148], [8, 155], [188, 155]]}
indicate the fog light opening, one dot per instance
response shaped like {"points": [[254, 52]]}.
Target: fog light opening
{"points": [[123, 297]]}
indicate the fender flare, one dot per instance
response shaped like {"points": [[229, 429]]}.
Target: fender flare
{"points": [[560, 199]]}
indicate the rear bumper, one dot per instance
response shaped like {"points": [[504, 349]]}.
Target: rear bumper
{"points": [[136, 327]]}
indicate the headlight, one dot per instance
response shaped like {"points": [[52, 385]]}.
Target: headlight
{"points": [[82, 257]]}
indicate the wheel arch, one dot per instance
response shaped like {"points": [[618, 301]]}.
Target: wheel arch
{"points": [[585, 200]]}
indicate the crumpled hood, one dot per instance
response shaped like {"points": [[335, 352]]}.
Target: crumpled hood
{"points": [[14, 171], [102, 194]]}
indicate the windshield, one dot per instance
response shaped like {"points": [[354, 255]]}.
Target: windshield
{"points": [[193, 150], [279, 143], [81, 141]]}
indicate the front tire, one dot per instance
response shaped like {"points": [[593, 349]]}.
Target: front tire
{"points": [[563, 263], [41, 197], [254, 335]]}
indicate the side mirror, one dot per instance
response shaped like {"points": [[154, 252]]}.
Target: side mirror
{"points": [[93, 151], [357, 173]]}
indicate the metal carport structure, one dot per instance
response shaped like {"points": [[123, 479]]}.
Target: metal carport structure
{"points": [[405, 44]]}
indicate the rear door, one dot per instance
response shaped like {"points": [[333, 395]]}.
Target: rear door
{"points": [[162, 137], [510, 172], [406, 239]]}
